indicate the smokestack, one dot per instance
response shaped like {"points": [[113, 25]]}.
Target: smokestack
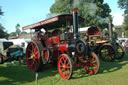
{"points": [[110, 29], [75, 22]]}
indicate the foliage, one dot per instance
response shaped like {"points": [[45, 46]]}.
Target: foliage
{"points": [[95, 12], [123, 28], [23, 32], [3, 33], [17, 29], [123, 4], [126, 22], [12, 34], [1, 12]]}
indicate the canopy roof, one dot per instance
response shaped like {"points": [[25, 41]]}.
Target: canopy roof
{"points": [[54, 22], [90, 30]]}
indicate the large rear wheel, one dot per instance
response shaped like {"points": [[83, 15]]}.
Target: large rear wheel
{"points": [[107, 52], [92, 63], [65, 66], [33, 56]]}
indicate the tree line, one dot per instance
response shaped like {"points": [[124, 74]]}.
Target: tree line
{"points": [[123, 4], [95, 12], [4, 33]]}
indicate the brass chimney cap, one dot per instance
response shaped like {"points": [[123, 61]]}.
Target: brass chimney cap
{"points": [[74, 10]]}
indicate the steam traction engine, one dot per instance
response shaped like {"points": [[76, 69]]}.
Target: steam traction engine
{"points": [[104, 45], [60, 45]]}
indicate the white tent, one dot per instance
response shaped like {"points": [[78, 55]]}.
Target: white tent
{"points": [[83, 29], [3, 39], [21, 42]]}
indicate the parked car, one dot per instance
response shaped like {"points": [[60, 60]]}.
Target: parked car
{"points": [[9, 51]]}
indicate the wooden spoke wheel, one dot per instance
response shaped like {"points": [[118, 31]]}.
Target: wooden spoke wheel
{"points": [[92, 63], [107, 53], [33, 56], [120, 51], [65, 66]]}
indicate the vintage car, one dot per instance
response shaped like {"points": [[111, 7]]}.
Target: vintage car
{"points": [[8, 51]]}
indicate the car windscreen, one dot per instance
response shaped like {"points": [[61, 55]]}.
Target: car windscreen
{"points": [[7, 44]]}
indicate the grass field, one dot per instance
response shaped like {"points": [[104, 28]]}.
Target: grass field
{"points": [[111, 73]]}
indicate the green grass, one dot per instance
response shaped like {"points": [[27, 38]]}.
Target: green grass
{"points": [[111, 73]]}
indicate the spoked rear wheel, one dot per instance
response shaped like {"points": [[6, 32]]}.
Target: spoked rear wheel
{"points": [[92, 63], [120, 51], [107, 53], [33, 56], [65, 66]]}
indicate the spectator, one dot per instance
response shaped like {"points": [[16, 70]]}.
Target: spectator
{"points": [[126, 46]]}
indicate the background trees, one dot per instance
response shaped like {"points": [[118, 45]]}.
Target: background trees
{"points": [[123, 4], [3, 33], [95, 12]]}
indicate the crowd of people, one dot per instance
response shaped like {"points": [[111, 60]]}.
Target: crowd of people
{"points": [[124, 43]]}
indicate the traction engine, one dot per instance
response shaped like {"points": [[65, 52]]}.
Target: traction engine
{"points": [[61, 46]]}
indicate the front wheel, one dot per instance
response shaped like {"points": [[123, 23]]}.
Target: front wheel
{"points": [[65, 66], [120, 51], [92, 63]]}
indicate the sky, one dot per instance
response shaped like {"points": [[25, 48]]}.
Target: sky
{"points": [[25, 12]]}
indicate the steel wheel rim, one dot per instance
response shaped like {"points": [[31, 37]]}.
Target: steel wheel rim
{"points": [[120, 52], [91, 67], [64, 67], [107, 53], [32, 56]]}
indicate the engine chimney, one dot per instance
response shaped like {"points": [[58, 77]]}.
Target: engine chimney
{"points": [[75, 22], [110, 29]]}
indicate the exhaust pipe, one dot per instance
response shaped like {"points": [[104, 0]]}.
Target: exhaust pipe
{"points": [[110, 30], [75, 22]]}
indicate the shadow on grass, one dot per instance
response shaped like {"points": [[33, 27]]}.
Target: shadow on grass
{"points": [[17, 75], [106, 67]]}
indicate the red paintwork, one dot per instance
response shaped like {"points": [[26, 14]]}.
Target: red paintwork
{"points": [[91, 65], [48, 23], [52, 40], [93, 31], [32, 62], [63, 48], [40, 23], [50, 44]]}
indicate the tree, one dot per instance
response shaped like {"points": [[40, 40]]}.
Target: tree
{"points": [[17, 30], [3, 34], [95, 12], [1, 12], [123, 4]]}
